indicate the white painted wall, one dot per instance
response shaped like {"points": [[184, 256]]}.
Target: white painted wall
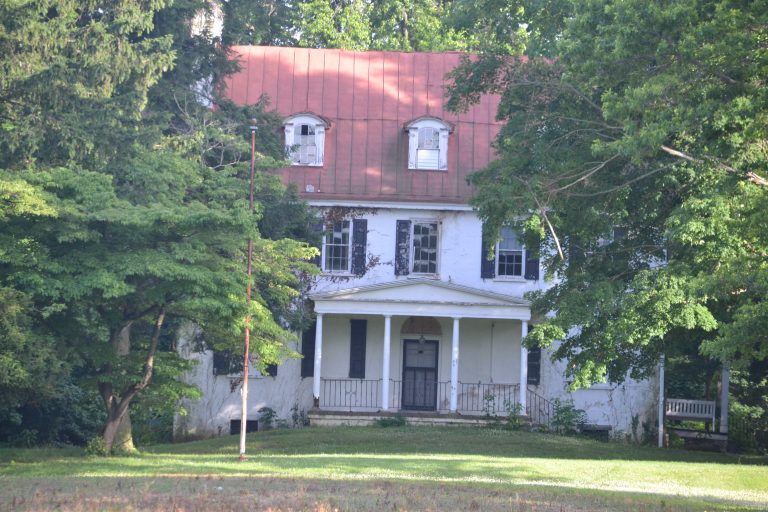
{"points": [[211, 415], [489, 350], [458, 262]]}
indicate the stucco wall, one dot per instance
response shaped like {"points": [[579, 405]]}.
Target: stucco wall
{"points": [[460, 246], [211, 415], [489, 349]]}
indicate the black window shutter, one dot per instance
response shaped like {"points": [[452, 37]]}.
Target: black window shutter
{"points": [[531, 267], [318, 229], [359, 242], [270, 370], [308, 351], [402, 247], [534, 366], [358, 330], [575, 251], [226, 363], [534, 363], [487, 267]]}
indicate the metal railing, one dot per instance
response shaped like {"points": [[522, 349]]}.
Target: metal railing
{"points": [[471, 398], [539, 409]]}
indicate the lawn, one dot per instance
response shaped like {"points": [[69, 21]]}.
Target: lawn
{"points": [[404, 468]]}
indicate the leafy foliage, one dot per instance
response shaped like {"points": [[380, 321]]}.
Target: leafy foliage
{"points": [[634, 147], [125, 206]]}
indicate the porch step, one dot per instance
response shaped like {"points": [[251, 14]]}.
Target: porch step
{"points": [[324, 418]]}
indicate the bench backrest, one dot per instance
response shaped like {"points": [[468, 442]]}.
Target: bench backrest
{"points": [[681, 409]]}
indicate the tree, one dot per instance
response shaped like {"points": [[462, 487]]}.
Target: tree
{"points": [[121, 217], [634, 147]]}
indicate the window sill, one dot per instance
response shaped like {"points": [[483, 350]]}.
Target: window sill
{"points": [[426, 169], [326, 273], [296, 164], [412, 275], [510, 279]]}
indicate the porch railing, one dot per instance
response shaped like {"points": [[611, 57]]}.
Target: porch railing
{"points": [[476, 398], [539, 409]]}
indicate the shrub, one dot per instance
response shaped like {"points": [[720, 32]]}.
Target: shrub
{"points": [[566, 418]]}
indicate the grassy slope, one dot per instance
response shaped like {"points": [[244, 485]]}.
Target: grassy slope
{"points": [[396, 468]]}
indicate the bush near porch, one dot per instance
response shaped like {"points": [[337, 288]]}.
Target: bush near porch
{"points": [[399, 468]]}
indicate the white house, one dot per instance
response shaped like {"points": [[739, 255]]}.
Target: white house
{"points": [[412, 316]]}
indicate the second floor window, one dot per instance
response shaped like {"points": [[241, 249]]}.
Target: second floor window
{"points": [[336, 247], [424, 248], [510, 260]]}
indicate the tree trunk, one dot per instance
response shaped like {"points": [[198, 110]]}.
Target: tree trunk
{"points": [[118, 437]]}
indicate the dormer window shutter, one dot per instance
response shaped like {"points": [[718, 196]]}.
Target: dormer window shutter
{"points": [[402, 247]]}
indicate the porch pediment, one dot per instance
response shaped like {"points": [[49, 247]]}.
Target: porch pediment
{"points": [[422, 297]]}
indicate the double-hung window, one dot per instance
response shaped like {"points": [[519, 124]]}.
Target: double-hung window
{"points": [[508, 260], [337, 247], [425, 247], [510, 255], [417, 245], [344, 247], [305, 139], [428, 144]]}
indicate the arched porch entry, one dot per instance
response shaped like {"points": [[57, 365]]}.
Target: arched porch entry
{"points": [[421, 346]]}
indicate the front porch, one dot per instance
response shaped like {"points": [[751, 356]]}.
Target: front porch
{"points": [[420, 345], [354, 402], [477, 398]]}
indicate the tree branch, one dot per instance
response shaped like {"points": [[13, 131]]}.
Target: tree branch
{"points": [[149, 365], [750, 176]]}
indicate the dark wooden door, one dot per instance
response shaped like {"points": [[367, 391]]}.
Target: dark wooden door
{"points": [[420, 375]]}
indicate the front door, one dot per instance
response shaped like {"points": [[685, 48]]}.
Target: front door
{"points": [[420, 375]]}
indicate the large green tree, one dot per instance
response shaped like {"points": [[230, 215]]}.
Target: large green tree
{"points": [[634, 147], [125, 199]]}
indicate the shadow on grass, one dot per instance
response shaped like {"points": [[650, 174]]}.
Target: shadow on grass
{"points": [[449, 441], [283, 493]]}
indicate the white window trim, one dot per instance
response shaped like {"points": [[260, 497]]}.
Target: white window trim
{"points": [[413, 143], [320, 126], [412, 249], [521, 277], [348, 270]]}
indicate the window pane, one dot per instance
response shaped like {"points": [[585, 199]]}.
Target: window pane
{"points": [[425, 248], [337, 247], [510, 254], [429, 138], [304, 139]]}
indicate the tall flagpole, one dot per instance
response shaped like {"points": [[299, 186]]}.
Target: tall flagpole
{"points": [[244, 391]]}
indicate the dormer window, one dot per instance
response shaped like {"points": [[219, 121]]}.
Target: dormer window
{"points": [[305, 139], [428, 144]]}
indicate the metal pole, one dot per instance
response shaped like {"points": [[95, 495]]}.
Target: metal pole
{"points": [[661, 401], [244, 391]]}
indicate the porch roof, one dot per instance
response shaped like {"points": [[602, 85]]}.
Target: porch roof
{"points": [[422, 297]]}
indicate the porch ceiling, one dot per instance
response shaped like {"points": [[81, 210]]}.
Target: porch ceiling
{"points": [[422, 297]]}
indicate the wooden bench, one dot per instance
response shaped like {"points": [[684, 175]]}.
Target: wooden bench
{"points": [[695, 410]]}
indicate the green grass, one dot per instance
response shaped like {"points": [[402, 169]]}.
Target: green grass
{"points": [[404, 468]]}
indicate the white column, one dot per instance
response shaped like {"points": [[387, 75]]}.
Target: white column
{"points": [[455, 365], [523, 367], [318, 359], [724, 399], [385, 367], [661, 401]]}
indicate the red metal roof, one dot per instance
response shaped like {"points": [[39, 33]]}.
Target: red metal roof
{"points": [[369, 97]]}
